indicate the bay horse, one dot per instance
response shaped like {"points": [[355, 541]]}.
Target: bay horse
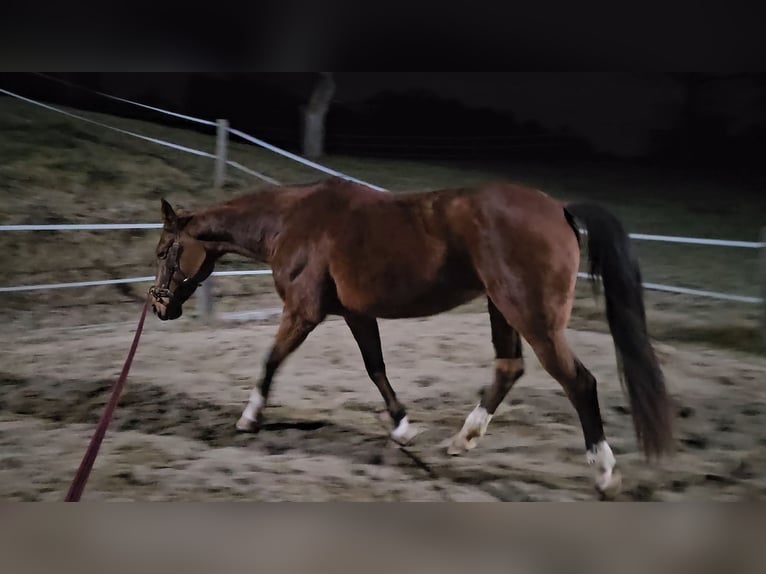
{"points": [[340, 248]]}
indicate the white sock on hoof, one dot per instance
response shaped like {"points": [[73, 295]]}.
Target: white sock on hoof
{"points": [[476, 423], [602, 458], [250, 414], [475, 426], [404, 431]]}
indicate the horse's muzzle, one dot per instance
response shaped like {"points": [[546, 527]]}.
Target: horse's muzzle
{"points": [[165, 308], [167, 312]]}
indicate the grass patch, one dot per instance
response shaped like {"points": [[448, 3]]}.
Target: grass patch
{"points": [[747, 338]]}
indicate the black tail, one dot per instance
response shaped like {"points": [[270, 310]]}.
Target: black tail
{"points": [[611, 257]]}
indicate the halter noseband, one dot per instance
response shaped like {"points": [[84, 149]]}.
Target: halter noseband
{"points": [[163, 291]]}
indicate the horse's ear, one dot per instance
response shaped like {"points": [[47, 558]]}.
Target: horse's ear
{"points": [[169, 217]]}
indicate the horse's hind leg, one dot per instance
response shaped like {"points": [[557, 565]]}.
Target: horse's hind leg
{"points": [[293, 330], [509, 367], [580, 386], [367, 336]]}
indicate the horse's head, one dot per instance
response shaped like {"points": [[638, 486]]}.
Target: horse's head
{"points": [[182, 264]]}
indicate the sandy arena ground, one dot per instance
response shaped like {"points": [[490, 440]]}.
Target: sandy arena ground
{"points": [[173, 437]]}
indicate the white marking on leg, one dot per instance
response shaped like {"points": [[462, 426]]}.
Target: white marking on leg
{"points": [[248, 421], [401, 429], [475, 426], [254, 406], [602, 458], [404, 432], [476, 423]]}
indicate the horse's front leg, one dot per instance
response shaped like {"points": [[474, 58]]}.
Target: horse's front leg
{"points": [[293, 330]]}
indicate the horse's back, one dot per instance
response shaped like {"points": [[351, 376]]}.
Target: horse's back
{"points": [[417, 253]]}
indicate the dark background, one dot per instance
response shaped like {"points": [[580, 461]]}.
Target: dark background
{"points": [[687, 119]]}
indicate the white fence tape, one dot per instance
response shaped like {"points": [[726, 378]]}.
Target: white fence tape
{"points": [[238, 133], [108, 127], [697, 241], [167, 112], [300, 159], [194, 151], [649, 286], [126, 101], [114, 226], [241, 134], [695, 292], [22, 288], [81, 227], [249, 171], [698, 293], [242, 273]]}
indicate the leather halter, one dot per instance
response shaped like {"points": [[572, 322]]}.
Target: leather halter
{"points": [[163, 291]]}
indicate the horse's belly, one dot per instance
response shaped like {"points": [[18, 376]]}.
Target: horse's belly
{"points": [[396, 299], [417, 286], [424, 305]]}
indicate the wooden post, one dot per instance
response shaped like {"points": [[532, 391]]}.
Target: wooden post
{"points": [[205, 299], [220, 153]]}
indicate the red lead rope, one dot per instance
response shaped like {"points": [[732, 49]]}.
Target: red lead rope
{"points": [[78, 484]]}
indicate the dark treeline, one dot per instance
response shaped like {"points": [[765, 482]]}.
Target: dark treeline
{"points": [[416, 124]]}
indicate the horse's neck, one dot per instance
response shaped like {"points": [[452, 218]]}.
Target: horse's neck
{"points": [[247, 229]]}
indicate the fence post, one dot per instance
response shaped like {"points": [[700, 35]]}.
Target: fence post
{"points": [[205, 299], [220, 153], [205, 291]]}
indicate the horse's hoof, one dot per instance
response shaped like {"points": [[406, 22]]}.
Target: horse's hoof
{"points": [[407, 439], [610, 488], [246, 425], [404, 433], [460, 445]]}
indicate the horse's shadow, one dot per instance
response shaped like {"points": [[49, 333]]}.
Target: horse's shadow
{"points": [[153, 409]]}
